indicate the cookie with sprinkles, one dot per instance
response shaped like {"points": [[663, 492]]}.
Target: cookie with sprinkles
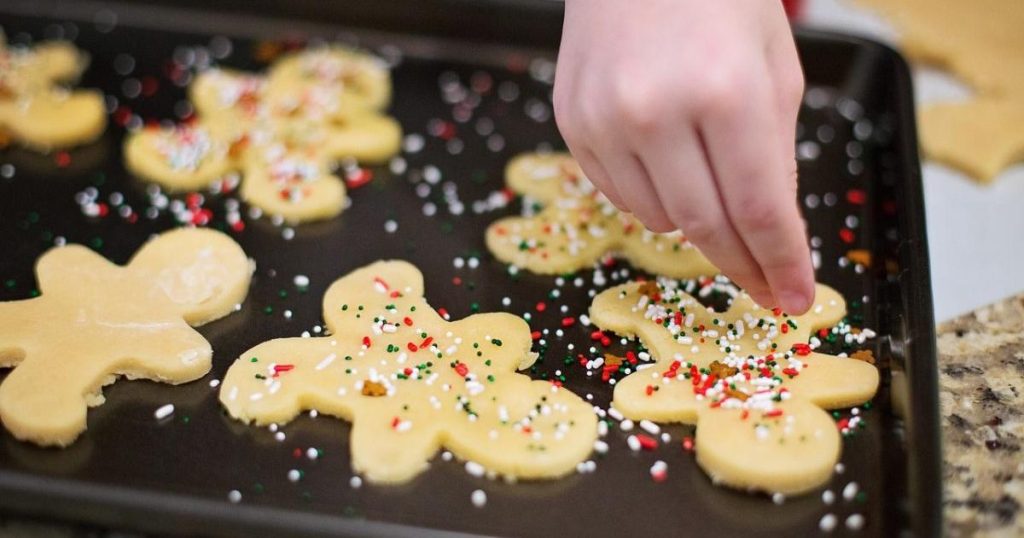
{"points": [[35, 110], [96, 321], [282, 133], [749, 378], [577, 226], [412, 382]]}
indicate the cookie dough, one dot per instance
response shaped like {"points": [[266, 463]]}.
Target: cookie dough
{"points": [[34, 109], [578, 226], [95, 321], [747, 377], [282, 132], [979, 42], [411, 383]]}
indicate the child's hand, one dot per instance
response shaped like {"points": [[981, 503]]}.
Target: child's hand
{"points": [[683, 112]]}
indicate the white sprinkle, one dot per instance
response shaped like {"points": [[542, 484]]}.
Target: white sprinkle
{"points": [[355, 482], [164, 411], [390, 226], [850, 491], [778, 498], [828, 497], [294, 475], [446, 456], [650, 427], [827, 523], [840, 468], [633, 442], [326, 361], [234, 496], [614, 413], [478, 498], [626, 425], [475, 469], [301, 281], [279, 436], [214, 383], [600, 447], [855, 522]]}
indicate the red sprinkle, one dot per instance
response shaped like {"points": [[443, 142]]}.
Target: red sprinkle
{"points": [[461, 369], [856, 196], [568, 322], [688, 443], [366, 341], [647, 442], [357, 178]]}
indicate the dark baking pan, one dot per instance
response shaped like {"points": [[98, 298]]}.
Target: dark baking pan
{"points": [[859, 185]]}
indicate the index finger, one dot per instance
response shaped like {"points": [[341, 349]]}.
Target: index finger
{"points": [[759, 191]]}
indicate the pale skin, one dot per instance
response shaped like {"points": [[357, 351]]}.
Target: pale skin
{"points": [[683, 112]]}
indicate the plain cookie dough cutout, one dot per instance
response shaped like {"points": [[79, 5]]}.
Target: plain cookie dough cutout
{"points": [[34, 109], [745, 438], [412, 383], [96, 321], [578, 226], [981, 43], [283, 133]]}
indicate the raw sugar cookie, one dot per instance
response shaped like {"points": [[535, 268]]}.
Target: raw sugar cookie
{"points": [[577, 226], [95, 321], [34, 109], [747, 377], [283, 132], [412, 382], [981, 43]]}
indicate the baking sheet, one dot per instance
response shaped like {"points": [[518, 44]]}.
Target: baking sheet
{"points": [[130, 470]]}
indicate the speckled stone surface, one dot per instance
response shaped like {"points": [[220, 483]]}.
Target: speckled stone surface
{"points": [[981, 365]]}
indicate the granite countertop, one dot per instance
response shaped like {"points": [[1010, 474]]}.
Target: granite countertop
{"points": [[981, 365]]}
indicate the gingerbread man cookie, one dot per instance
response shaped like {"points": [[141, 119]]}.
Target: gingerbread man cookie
{"points": [[282, 132], [34, 109], [96, 321], [411, 383], [578, 226], [747, 377]]}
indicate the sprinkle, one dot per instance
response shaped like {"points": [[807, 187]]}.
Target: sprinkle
{"points": [[647, 442], [828, 497], [355, 482], [855, 522], [659, 471], [850, 491], [475, 469], [650, 427], [478, 498], [312, 453], [633, 442], [294, 475], [234, 496], [164, 411], [827, 523]]}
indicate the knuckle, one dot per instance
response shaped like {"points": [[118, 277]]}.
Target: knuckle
{"points": [[637, 104], [723, 91], [753, 213]]}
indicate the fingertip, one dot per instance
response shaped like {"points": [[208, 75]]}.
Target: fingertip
{"points": [[795, 301]]}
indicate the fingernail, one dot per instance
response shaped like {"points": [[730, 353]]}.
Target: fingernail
{"points": [[794, 302]]}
